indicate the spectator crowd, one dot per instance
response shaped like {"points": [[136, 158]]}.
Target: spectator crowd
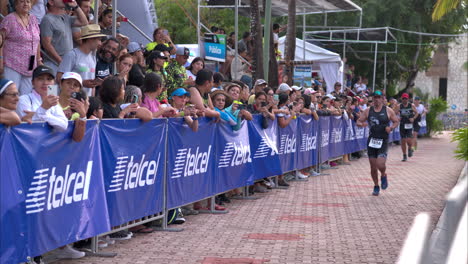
{"points": [[57, 66]]}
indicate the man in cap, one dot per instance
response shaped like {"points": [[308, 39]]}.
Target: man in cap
{"points": [[82, 60], [378, 118], [408, 114], [176, 72], [136, 76], [259, 85]]}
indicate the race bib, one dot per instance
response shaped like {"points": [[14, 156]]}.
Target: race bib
{"points": [[375, 143], [409, 126]]}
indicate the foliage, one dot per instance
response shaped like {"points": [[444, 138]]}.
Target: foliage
{"points": [[418, 92], [443, 7], [461, 135], [180, 18], [436, 107]]}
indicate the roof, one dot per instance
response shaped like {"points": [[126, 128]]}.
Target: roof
{"points": [[280, 7], [356, 35], [312, 52]]}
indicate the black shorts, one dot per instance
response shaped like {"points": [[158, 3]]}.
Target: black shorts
{"points": [[416, 126], [406, 133], [374, 153]]}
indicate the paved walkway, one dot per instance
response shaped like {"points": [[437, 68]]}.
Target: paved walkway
{"points": [[329, 219]]}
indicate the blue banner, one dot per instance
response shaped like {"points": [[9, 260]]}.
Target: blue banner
{"points": [[350, 145], [133, 167], [191, 162], [361, 138], [287, 146], [307, 133], [55, 190], [233, 158], [264, 150], [215, 51], [325, 133], [336, 146]]}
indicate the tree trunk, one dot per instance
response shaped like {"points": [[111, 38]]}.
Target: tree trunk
{"points": [[290, 45], [273, 63], [413, 71], [257, 36]]}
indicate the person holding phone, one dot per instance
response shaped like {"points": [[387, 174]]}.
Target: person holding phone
{"points": [[42, 104], [20, 53], [161, 36], [72, 99]]}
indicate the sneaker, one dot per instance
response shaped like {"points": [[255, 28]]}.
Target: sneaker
{"points": [[289, 176], [376, 191], [283, 183], [405, 158], [121, 235], [109, 240], [272, 183], [260, 189], [384, 181], [325, 166], [410, 153], [300, 175], [314, 173], [37, 260], [179, 221], [67, 252]]}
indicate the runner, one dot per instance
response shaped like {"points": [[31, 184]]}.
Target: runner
{"points": [[408, 114], [378, 118], [416, 125]]}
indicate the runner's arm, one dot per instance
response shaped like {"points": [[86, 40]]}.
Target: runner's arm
{"points": [[361, 122], [392, 116], [414, 111]]}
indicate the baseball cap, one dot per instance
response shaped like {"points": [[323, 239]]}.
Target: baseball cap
{"points": [[159, 55], [405, 95], [309, 91], [73, 75], [133, 47], [296, 88], [377, 93], [183, 51], [417, 98], [42, 69], [284, 87], [330, 96], [260, 82], [179, 92]]}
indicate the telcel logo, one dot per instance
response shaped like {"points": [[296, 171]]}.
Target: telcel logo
{"points": [[189, 162], [360, 132], [325, 138], [308, 143], [337, 134], [287, 144], [234, 155], [69, 188], [266, 147], [132, 174], [349, 134]]}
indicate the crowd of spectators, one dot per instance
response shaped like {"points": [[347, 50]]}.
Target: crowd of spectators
{"points": [[74, 78]]}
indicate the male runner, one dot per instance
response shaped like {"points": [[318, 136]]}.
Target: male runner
{"points": [[408, 114], [378, 118], [416, 126]]}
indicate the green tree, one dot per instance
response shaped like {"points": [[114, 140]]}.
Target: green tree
{"points": [[443, 7]]}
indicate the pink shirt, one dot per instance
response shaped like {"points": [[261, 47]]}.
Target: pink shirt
{"points": [[20, 43], [152, 104]]}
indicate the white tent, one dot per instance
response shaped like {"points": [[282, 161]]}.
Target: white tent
{"points": [[329, 63]]}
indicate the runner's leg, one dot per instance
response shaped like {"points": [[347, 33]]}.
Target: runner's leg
{"points": [[374, 171]]}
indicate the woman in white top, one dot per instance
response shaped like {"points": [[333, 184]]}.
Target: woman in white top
{"points": [[38, 105], [196, 65]]}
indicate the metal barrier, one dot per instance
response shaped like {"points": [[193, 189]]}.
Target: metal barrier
{"points": [[415, 247], [458, 250]]}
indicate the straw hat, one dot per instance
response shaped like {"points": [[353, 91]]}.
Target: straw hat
{"points": [[91, 31], [228, 100]]}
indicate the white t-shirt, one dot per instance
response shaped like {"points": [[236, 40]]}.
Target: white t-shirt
{"points": [[190, 74], [420, 108], [38, 10], [81, 63]]}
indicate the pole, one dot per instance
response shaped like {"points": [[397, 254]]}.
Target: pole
{"points": [[114, 28], [303, 37], [198, 26], [266, 47], [385, 73], [96, 8], [375, 66], [236, 34]]}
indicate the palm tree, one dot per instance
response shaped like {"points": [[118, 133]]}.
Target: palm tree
{"points": [[443, 7], [257, 36], [290, 45]]}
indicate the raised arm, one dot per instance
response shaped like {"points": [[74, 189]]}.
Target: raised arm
{"points": [[362, 121]]}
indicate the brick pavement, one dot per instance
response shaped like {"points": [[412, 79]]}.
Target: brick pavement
{"points": [[328, 219]]}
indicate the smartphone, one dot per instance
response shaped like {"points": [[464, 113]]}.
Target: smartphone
{"points": [[52, 90], [276, 97], [134, 99], [77, 96], [264, 104], [165, 32], [241, 107], [32, 59]]}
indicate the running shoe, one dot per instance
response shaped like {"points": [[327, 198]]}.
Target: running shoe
{"points": [[376, 191], [384, 181], [404, 158], [410, 153]]}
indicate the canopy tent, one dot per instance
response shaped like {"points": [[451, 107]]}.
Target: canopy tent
{"points": [[329, 63]]}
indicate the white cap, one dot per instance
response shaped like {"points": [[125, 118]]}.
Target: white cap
{"points": [[284, 87], [330, 96], [296, 88], [73, 75]]}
